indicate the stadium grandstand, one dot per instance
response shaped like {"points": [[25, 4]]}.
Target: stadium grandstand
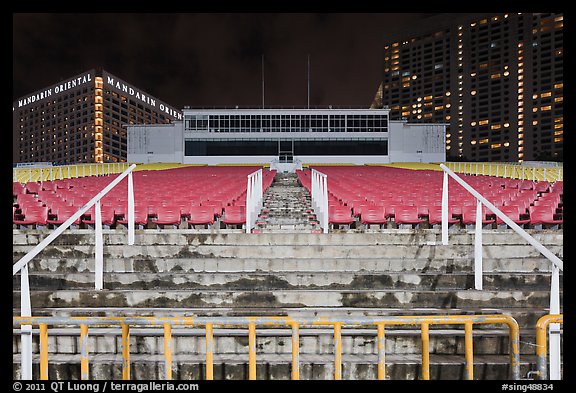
{"points": [[186, 271]]}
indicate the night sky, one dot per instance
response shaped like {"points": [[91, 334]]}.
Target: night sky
{"points": [[214, 59]]}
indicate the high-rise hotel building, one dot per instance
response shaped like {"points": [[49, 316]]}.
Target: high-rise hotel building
{"points": [[83, 119], [496, 81]]}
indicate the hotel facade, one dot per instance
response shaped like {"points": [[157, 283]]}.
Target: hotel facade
{"points": [[83, 119], [497, 81]]}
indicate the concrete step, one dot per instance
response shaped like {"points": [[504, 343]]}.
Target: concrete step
{"points": [[289, 280], [397, 298], [235, 237], [314, 264], [290, 251], [277, 367]]}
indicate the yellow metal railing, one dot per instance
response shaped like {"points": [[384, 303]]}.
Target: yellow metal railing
{"points": [[61, 172], [295, 324], [541, 339], [511, 171]]}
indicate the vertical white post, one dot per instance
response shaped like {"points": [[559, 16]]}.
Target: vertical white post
{"points": [[497, 166], [533, 173], [505, 166], [30, 170], [99, 257], [68, 171], [545, 177], [61, 175], [478, 247], [325, 204], [130, 211], [26, 330], [445, 209], [90, 169], [482, 169], [559, 174], [554, 328], [248, 203], [476, 169]]}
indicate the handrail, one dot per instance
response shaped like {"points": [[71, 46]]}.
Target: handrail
{"points": [[541, 352], [557, 263], [22, 264], [295, 324], [319, 186], [253, 198]]}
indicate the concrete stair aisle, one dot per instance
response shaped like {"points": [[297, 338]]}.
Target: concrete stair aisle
{"points": [[204, 273], [287, 207]]}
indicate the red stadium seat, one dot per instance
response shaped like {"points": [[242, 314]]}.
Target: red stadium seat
{"points": [[33, 215], [512, 212], [140, 216], [340, 215], [469, 215], [234, 215], [435, 216], [540, 216], [202, 215], [407, 215], [371, 214], [62, 213], [106, 213], [167, 215]]}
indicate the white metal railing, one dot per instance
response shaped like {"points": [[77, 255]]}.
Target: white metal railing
{"points": [[253, 199], [22, 265], [557, 263], [319, 187]]}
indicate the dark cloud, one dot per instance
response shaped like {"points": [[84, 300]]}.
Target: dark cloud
{"points": [[212, 59]]}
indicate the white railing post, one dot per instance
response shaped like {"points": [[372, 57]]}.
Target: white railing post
{"points": [[253, 198], [445, 210], [30, 170], [130, 211], [99, 257], [25, 330], [554, 328], [478, 247], [325, 204], [320, 198], [497, 166]]}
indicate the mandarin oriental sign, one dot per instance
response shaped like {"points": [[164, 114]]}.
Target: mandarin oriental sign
{"points": [[56, 89], [128, 90]]}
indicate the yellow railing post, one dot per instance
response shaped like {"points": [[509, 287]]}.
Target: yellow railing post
{"points": [[295, 351], [468, 350], [337, 351], [43, 351], [425, 351], [381, 352], [541, 339], [168, 350], [209, 352], [84, 352], [251, 351], [125, 351]]}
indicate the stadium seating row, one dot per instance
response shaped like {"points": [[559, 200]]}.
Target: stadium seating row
{"points": [[385, 195], [182, 197]]}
